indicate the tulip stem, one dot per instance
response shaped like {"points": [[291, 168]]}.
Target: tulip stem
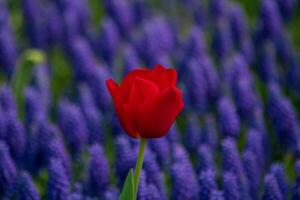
{"points": [[139, 164]]}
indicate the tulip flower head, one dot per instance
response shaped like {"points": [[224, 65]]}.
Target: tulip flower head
{"points": [[147, 101]]}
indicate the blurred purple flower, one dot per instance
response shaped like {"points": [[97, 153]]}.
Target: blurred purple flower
{"points": [[58, 184], [230, 186], [26, 189], [207, 184], [8, 171], [72, 124], [98, 171], [228, 118], [271, 190]]}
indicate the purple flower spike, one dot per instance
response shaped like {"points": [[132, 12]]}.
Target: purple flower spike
{"points": [[58, 182], [192, 133], [252, 171], [209, 132], [185, 185], [8, 171], [15, 137], [92, 115], [205, 158], [230, 186], [35, 110], [8, 46], [98, 173], [122, 14], [130, 59], [161, 149], [125, 160], [296, 187], [196, 86], [72, 124], [7, 100], [57, 150], [230, 158], [207, 181], [278, 171], [108, 40], [228, 117], [270, 18], [217, 195], [222, 40], [26, 189], [153, 173], [272, 190]]}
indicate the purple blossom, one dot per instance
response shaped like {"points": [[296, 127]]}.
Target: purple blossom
{"points": [[92, 116], [97, 84], [192, 133], [153, 173], [98, 171], [283, 118], [296, 187], [56, 149], [184, 182], [252, 171], [271, 23], [231, 161], [130, 59], [8, 171], [222, 43], [227, 116], [205, 158], [26, 189], [58, 184], [212, 78], [245, 99], [72, 124], [8, 46], [196, 86], [82, 58], [267, 63], [230, 186], [15, 137], [207, 184], [108, 40], [35, 110], [272, 190], [278, 171], [219, 9], [125, 159], [34, 23], [156, 39], [122, 14], [161, 149], [7, 100], [209, 134], [216, 195]]}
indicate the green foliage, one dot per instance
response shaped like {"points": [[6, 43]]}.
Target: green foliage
{"points": [[128, 192]]}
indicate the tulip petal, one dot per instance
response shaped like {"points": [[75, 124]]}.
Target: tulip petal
{"points": [[164, 78], [157, 114], [127, 83], [112, 87], [141, 90]]}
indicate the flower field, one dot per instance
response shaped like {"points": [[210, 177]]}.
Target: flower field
{"points": [[238, 73]]}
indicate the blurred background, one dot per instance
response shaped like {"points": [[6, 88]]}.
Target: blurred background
{"points": [[238, 64]]}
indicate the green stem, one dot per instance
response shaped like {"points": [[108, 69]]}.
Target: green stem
{"points": [[139, 164]]}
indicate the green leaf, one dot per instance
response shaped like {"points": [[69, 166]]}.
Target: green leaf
{"points": [[128, 188]]}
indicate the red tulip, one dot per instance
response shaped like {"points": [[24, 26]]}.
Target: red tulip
{"points": [[147, 101]]}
